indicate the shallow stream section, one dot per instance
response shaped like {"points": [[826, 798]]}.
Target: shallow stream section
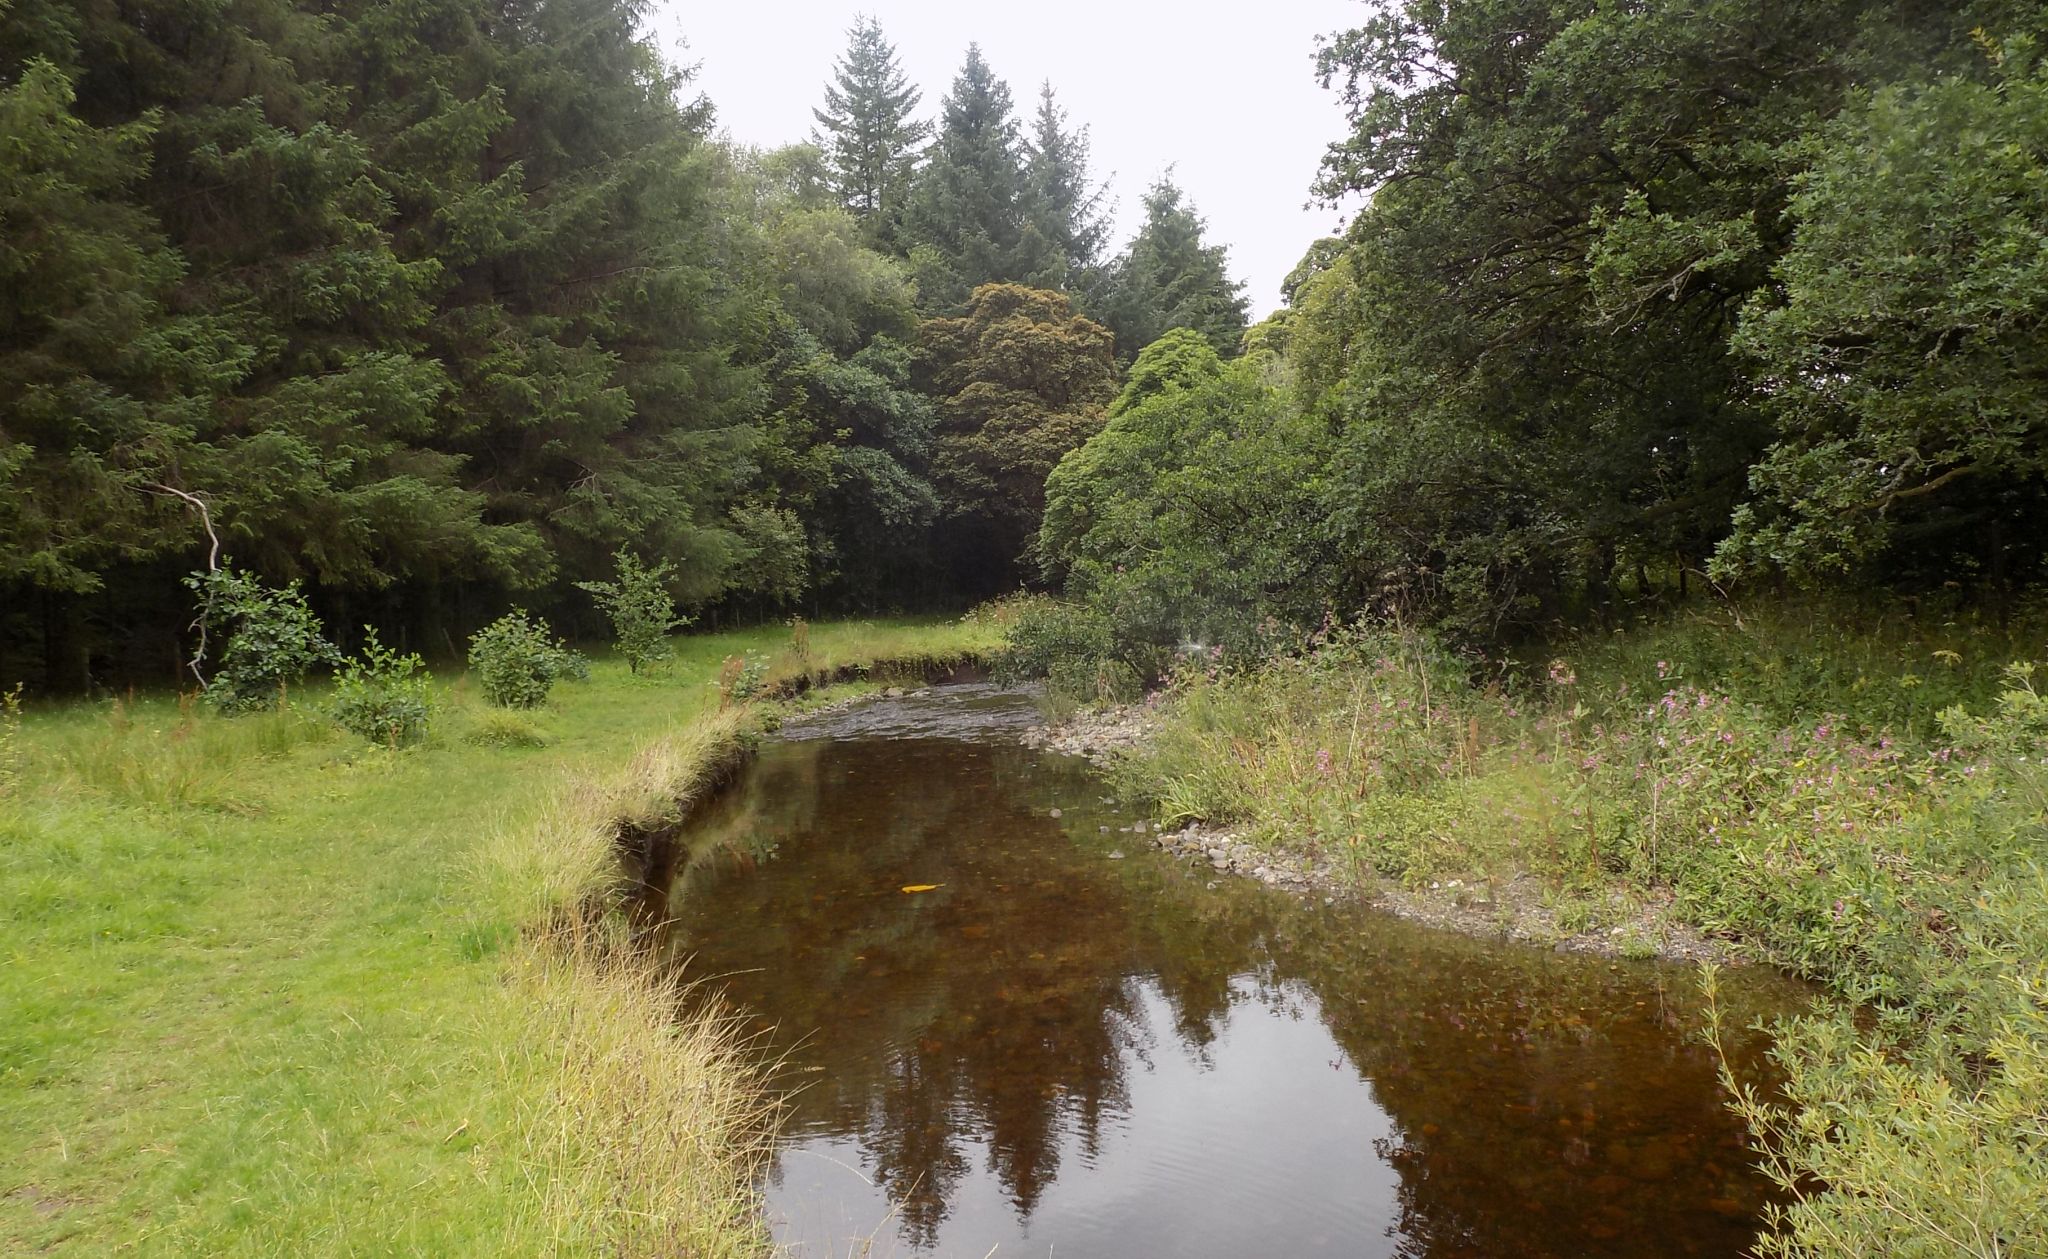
{"points": [[1064, 1042]]}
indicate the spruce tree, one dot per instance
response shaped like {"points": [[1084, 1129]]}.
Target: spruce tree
{"points": [[969, 220], [1067, 208], [1168, 278], [870, 140]]}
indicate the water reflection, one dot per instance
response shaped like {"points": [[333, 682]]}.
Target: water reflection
{"points": [[1072, 1044]]}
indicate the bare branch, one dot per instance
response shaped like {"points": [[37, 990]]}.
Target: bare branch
{"points": [[205, 617]]}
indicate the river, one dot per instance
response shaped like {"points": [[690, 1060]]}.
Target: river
{"points": [[1009, 1025]]}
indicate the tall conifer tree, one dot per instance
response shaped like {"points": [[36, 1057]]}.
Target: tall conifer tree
{"points": [[870, 140], [1168, 278], [1066, 205], [969, 220]]}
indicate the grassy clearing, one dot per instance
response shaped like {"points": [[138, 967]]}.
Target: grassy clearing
{"points": [[268, 990], [1866, 806]]}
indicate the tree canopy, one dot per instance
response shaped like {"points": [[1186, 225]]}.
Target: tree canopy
{"points": [[1020, 381], [436, 308]]}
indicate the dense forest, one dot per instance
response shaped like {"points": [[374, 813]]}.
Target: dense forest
{"points": [[1647, 297], [434, 308]]}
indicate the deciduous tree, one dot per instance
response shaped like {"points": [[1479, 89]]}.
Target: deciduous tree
{"points": [[1021, 380]]}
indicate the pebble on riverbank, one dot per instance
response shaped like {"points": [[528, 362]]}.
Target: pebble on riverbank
{"points": [[1095, 733]]}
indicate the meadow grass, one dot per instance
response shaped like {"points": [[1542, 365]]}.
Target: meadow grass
{"points": [[269, 990]]}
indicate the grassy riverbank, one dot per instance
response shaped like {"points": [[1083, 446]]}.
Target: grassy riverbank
{"points": [[267, 990], [1860, 800]]}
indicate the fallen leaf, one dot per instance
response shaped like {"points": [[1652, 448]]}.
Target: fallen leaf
{"points": [[921, 887]]}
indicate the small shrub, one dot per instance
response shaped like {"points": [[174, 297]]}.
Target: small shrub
{"points": [[516, 661], [640, 609], [384, 696], [1076, 649], [272, 639], [500, 729], [570, 665], [2019, 727], [752, 673], [800, 639]]}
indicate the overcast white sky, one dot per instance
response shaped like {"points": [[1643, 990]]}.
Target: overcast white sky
{"points": [[1225, 94]]}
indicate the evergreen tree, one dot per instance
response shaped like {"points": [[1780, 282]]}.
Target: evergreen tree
{"points": [[867, 133], [1168, 278], [1066, 207], [970, 221], [103, 386]]}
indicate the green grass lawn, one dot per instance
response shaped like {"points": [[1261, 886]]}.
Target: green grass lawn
{"points": [[260, 991]]}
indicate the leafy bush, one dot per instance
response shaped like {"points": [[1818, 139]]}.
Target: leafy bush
{"points": [[2018, 729], [1190, 515], [1097, 680], [516, 661], [1901, 1130], [1078, 651], [272, 638], [384, 696], [740, 678], [570, 665], [640, 608]]}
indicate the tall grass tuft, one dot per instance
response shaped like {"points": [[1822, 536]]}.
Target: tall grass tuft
{"points": [[163, 755], [11, 754], [559, 862], [651, 1131]]}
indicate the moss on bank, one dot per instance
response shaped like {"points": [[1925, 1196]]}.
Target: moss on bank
{"points": [[268, 990]]}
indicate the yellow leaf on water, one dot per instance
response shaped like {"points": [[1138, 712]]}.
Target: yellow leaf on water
{"points": [[921, 887]]}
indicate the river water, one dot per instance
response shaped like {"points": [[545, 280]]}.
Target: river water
{"points": [[1070, 1044]]}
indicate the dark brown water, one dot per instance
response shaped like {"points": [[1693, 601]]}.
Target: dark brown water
{"points": [[1074, 1046]]}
